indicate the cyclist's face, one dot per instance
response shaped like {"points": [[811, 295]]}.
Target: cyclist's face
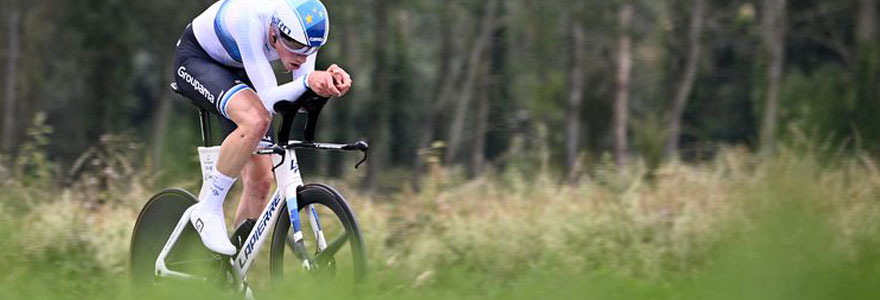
{"points": [[291, 61]]}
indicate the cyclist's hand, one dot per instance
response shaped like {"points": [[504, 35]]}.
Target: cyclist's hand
{"points": [[340, 78], [321, 82]]}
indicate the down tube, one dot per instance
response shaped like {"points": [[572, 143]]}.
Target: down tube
{"points": [[257, 237]]}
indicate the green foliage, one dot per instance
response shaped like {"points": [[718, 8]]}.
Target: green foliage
{"points": [[649, 137], [741, 226], [180, 161], [804, 224], [115, 68], [32, 166], [819, 102]]}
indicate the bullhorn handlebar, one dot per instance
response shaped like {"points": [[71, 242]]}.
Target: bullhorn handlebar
{"points": [[311, 104]]}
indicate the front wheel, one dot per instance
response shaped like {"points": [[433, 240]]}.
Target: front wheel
{"points": [[344, 252]]}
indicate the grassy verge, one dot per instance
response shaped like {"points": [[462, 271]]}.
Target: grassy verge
{"points": [[799, 226]]}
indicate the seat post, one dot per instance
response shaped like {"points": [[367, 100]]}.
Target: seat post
{"points": [[205, 120]]}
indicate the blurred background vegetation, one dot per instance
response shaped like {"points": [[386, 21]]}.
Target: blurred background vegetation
{"points": [[478, 82], [633, 148]]}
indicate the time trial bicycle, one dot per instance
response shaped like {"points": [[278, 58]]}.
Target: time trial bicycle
{"points": [[165, 246]]}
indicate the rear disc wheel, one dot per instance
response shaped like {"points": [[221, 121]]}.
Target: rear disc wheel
{"points": [[154, 226]]}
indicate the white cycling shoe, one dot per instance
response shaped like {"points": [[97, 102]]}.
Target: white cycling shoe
{"points": [[212, 229]]}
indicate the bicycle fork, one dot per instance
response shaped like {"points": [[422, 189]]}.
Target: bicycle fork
{"points": [[296, 239], [288, 176]]}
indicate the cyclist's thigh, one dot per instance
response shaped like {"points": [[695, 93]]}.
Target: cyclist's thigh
{"points": [[209, 84], [227, 126], [208, 76]]}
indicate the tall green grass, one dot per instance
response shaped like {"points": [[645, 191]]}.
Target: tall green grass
{"points": [[804, 224]]}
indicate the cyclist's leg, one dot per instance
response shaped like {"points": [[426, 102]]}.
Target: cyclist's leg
{"points": [[220, 90], [252, 119], [257, 178], [246, 110]]}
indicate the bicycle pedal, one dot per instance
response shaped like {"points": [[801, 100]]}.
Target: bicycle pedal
{"points": [[241, 233]]}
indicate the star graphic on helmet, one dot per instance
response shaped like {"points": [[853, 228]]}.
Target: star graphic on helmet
{"points": [[309, 19]]}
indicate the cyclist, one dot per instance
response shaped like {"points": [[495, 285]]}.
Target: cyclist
{"points": [[223, 63]]}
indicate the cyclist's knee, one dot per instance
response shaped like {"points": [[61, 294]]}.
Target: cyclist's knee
{"points": [[246, 110], [256, 120]]}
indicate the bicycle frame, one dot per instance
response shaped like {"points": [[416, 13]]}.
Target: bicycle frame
{"points": [[289, 180]]}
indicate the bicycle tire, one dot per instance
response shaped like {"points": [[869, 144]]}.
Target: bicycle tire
{"points": [[152, 229], [326, 196]]}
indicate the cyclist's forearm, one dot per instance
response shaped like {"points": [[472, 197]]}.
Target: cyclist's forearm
{"points": [[289, 91]]}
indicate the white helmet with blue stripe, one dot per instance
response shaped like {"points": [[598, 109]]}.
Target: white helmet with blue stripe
{"points": [[303, 25]]}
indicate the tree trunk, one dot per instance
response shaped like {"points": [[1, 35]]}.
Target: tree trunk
{"points": [[773, 29], [342, 111], [686, 85], [163, 114], [377, 112], [866, 31], [444, 85], [575, 94], [868, 68], [478, 147], [11, 78], [463, 101], [624, 66]]}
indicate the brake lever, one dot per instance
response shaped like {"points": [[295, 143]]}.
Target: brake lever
{"points": [[363, 160], [280, 151]]}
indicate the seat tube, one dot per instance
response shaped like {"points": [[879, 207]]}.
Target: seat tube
{"points": [[205, 121]]}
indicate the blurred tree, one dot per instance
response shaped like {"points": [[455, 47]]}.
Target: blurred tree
{"points": [[575, 88], [448, 72], [476, 54], [867, 89], [724, 101], [502, 106], [481, 118], [13, 44], [685, 85], [377, 108], [402, 101], [773, 27], [489, 90], [350, 44], [624, 67], [478, 75]]}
